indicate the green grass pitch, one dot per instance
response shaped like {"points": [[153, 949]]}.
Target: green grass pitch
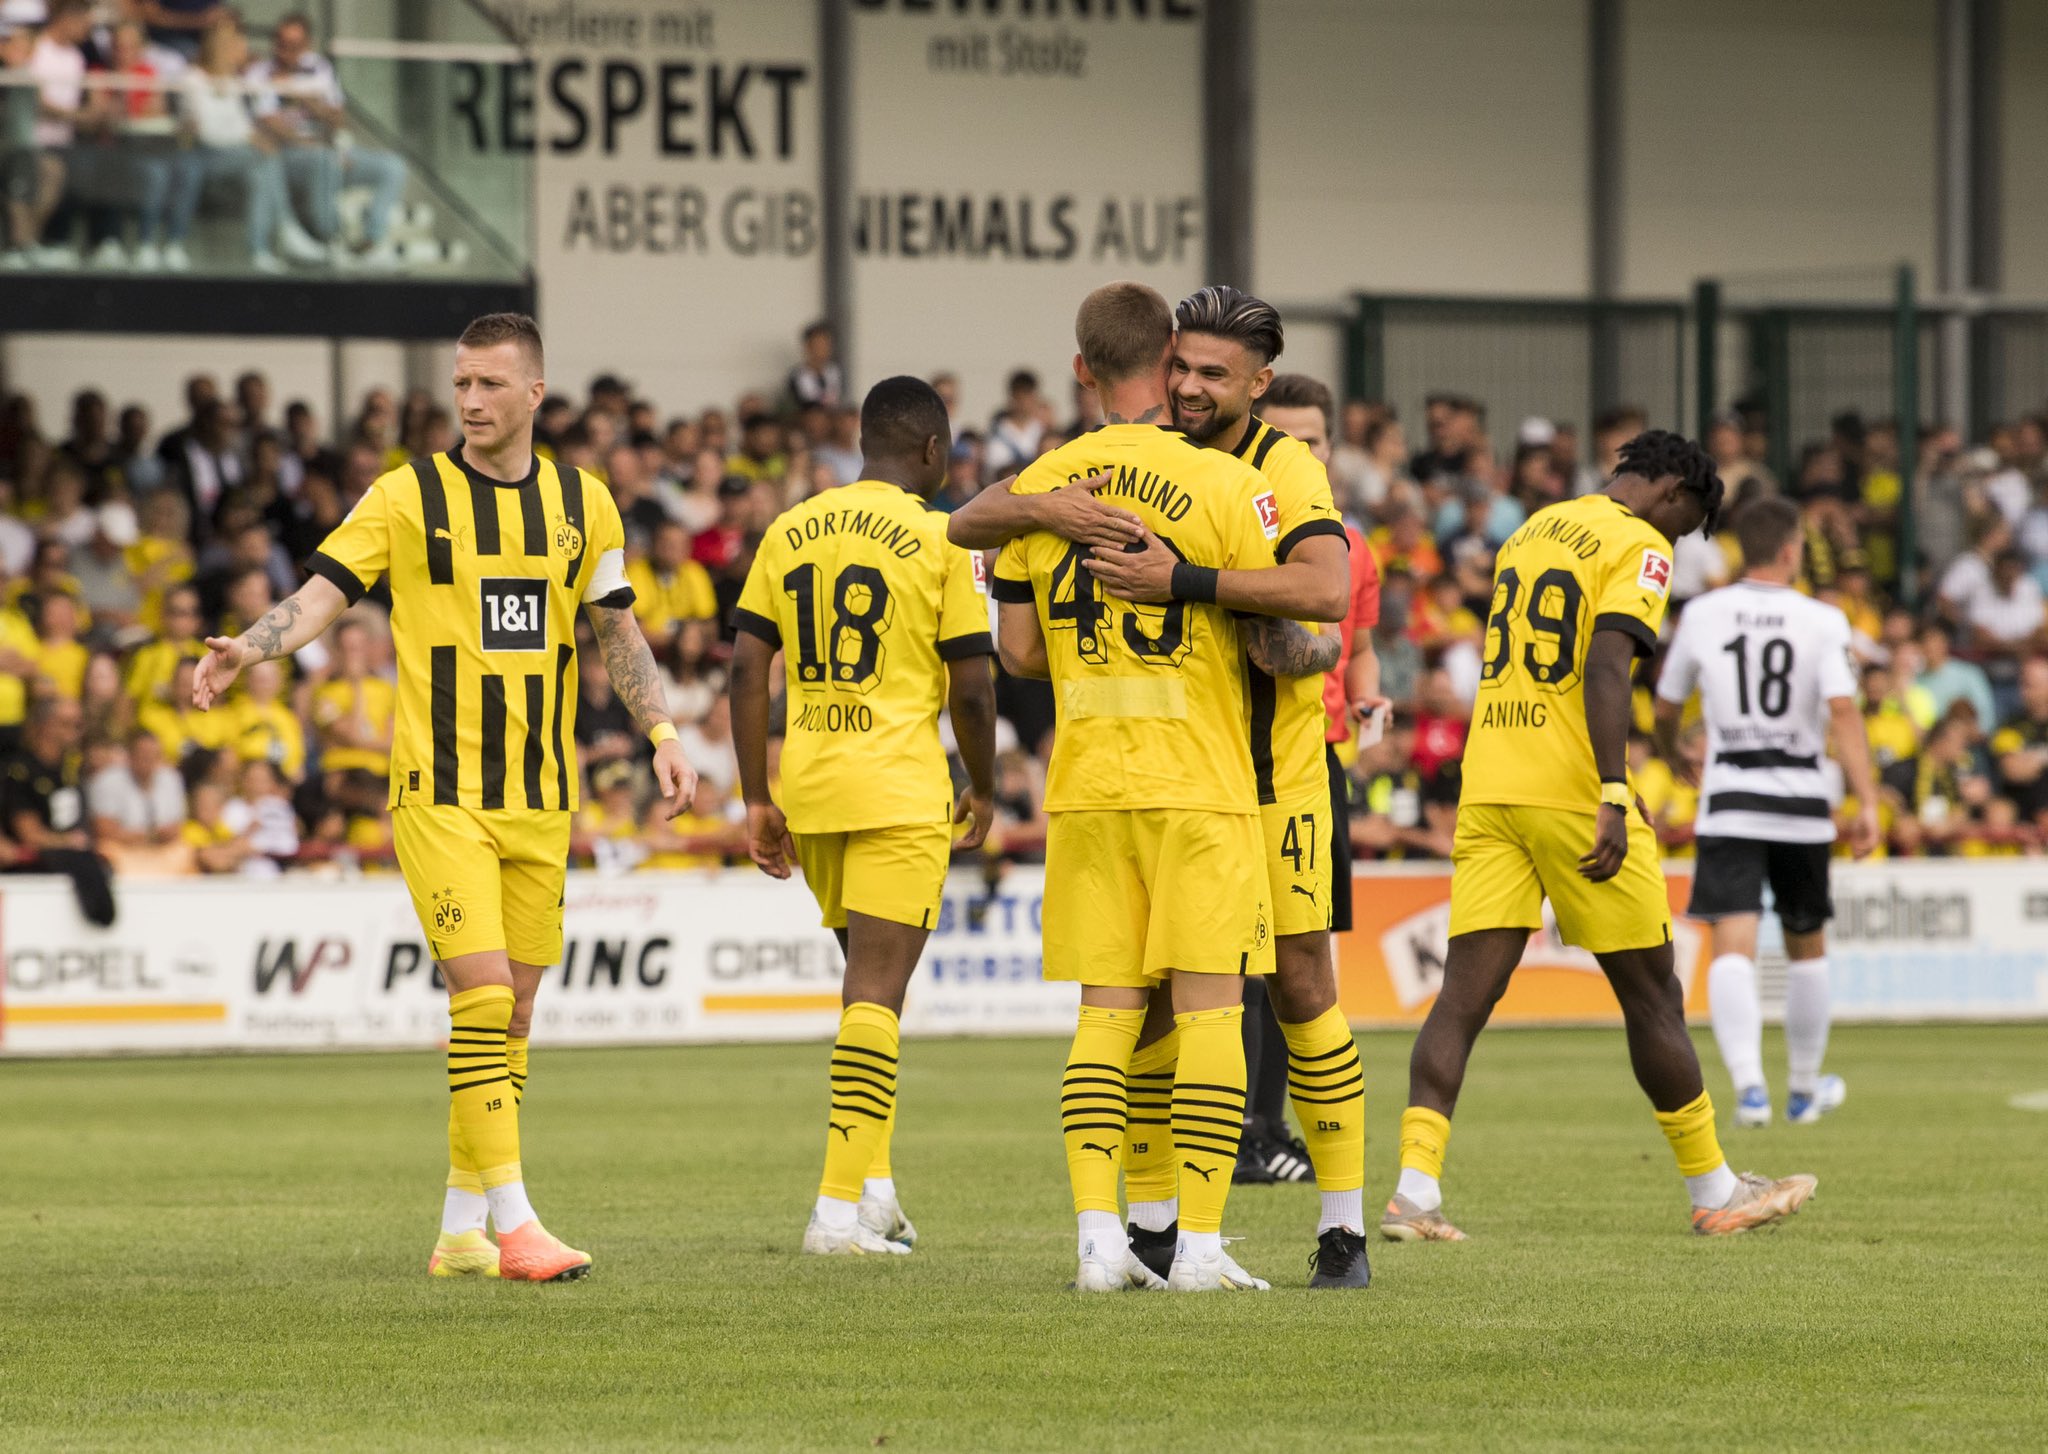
{"points": [[230, 1254]]}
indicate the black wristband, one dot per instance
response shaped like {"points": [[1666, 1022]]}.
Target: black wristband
{"points": [[1194, 583]]}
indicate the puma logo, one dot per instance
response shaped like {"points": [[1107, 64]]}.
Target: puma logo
{"points": [[1091, 1146], [1309, 894], [440, 534], [845, 1131], [1198, 1171]]}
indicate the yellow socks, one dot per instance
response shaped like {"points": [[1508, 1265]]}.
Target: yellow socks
{"points": [[1326, 1081], [1151, 1178], [863, 1098], [486, 1117], [1425, 1135], [879, 1169], [515, 1065], [1690, 1130], [1208, 1113], [1093, 1105]]}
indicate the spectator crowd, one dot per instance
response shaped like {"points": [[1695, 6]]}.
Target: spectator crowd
{"points": [[122, 547], [118, 120]]}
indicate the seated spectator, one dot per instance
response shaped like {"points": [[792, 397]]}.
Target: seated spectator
{"points": [[1016, 435], [109, 715], [701, 838], [604, 728], [669, 588], [183, 729], [708, 746], [839, 451], [57, 63], [154, 663], [2006, 616], [177, 25], [141, 140], [1454, 424], [353, 710], [607, 832], [1403, 544], [43, 809], [818, 378], [261, 814], [1890, 726], [1944, 788], [1442, 720], [225, 144], [761, 455], [216, 846], [1968, 577], [298, 103], [691, 675], [107, 587], [60, 657], [2019, 748], [265, 728], [18, 648], [65, 514], [1948, 679], [31, 178], [139, 800], [1407, 813], [17, 540], [1672, 803]]}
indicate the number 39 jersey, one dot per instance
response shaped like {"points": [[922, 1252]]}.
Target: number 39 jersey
{"points": [[1572, 569], [868, 602], [1766, 661], [1150, 698]]}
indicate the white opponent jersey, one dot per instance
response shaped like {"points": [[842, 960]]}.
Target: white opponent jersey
{"points": [[1766, 661]]}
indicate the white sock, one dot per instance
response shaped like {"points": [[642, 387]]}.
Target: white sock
{"points": [[1156, 1216], [1199, 1244], [1806, 1022], [835, 1215], [1344, 1209], [1738, 1018], [463, 1211], [1712, 1189], [882, 1188], [1102, 1228], [509, 1206], [1420, 1188]]}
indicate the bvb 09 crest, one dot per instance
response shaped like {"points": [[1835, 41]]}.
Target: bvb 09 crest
{"points": [[447, 913], [568, 539]]}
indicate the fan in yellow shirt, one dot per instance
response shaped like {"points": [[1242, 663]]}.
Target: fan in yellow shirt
{"points": [[353, 709], [669, 587], [700, 838], [60, 657], [154, 664], [264, 724]]}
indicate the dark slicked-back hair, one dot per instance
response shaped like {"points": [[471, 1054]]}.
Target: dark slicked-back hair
{"points": [[1655, 453], [496, 328], [1228, 312], [899, 415], [1122, 330], [1299, 391], [1765, 527]]}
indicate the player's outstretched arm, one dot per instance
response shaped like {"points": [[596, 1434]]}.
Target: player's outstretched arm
{"points": [[1609, 658], [1313, 585], [1852, 750], [285, 627], [629, 661], [768, 840], [998, 515], [1282, 648], [1020, 642], [971, 698]]}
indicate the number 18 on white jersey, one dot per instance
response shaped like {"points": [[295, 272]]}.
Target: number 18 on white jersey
{"points": [[1766, 661]]}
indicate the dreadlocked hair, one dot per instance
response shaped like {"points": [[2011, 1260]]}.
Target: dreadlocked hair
{"points": [[1655, 453]]}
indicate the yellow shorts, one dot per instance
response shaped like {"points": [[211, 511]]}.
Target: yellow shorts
{"points": [[1132, 895], [1300, 842], [485, 878], [1507, 858], [897, 874]]}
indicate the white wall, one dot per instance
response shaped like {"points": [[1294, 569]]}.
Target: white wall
{"points": [[1420, 145], [1764, 136]]}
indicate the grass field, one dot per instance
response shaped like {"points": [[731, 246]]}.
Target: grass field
{"points": [[223, 1254]]}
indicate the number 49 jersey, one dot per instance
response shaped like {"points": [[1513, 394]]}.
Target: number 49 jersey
{"points": [[1150, 698], [1766, 661], [1582, 566], [867, 601]]}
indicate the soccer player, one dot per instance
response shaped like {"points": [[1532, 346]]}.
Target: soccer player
{"points": [[1154, 862], [489, 552], [1222, 366], [1545, 811], [878, 620], [1774, 675]]}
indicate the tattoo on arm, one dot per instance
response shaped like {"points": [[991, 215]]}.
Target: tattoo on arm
{"points": [[266, 637], [1288, 648], [631, 666]]}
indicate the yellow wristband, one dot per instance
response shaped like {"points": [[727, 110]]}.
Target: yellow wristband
{"points": [[1616, 795], [663, 732]]}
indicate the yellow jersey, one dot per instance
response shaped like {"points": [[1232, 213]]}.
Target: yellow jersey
{"points": [[271, 733], [686, 594], [62, 664], [1150, 699], [17, 638], [338, 698], [1287, 719], [1573, 568], [867, 601], [155, 666], [486, 579]]}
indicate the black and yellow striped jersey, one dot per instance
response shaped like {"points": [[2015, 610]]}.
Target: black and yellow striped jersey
{"points": [[1286, 715], [486, 578], [870, 606]]}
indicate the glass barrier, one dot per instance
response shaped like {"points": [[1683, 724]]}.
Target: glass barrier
{"points": [[260, 151]]}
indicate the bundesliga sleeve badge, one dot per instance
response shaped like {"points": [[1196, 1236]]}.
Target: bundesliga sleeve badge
{"points": [[1269, 513], [1656, 572]]}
